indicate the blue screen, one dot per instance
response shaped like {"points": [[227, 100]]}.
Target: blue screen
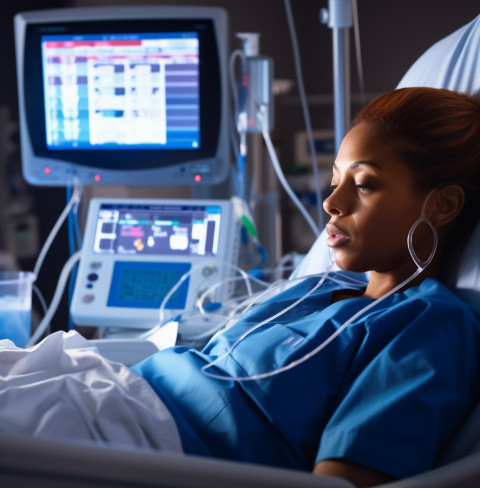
{"points": [[158, 229], [145, 285], [121, 91]]}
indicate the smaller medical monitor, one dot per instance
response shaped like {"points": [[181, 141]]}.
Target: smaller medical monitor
{"points": [[169, 229], [123, 95], [136, 251]]}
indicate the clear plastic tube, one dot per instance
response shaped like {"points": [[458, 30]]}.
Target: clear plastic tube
{"points": [[280, 175], [240, 123], [254, 328], [232, 308], [306, 114], [422, 219], [76, 197], [238, 53], [240, 305], [45, 323], [421, 265], [226, 281], [179, 283], [41, 298]]}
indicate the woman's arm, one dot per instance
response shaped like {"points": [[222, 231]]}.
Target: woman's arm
{"points": [[357, 474]]}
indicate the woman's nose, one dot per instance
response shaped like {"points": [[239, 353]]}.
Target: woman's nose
{"points": [[331, 204]]}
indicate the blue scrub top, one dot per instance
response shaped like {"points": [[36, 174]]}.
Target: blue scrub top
{"points": [[387, 393]]}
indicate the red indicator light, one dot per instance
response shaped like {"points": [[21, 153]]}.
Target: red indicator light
{"points": [[47, 170], [97, 178], [198, 178]]}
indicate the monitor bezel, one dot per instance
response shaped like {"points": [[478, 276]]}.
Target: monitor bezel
{"points": [[180, 165]]}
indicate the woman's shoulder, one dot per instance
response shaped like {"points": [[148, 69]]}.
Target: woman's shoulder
{"points": [[435, 304], [429, 319], [434, 291]]}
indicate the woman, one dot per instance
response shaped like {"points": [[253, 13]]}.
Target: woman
{"points": [[381, 399]]}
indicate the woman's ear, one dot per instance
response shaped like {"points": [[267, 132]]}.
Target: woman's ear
{"points": [[446, 204]]}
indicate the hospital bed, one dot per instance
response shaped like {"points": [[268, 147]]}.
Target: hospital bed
{"points": [[34, 462], [26, 461]]}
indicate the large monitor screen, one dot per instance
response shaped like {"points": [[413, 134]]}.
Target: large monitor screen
{"points": [[116, 91], [123, 95]]}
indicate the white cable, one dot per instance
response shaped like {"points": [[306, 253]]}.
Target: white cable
{"points": [[74, 200], [245, 303], [280, 175], [241, 305], [358, 51], [166, 298], [44, 324], [239, 121], [248, 332], [421, 265], [310, 354], [231, 307], [233, 88], [222, 321], [40, 297], [218, 284], [240, 54], [306, 115]]}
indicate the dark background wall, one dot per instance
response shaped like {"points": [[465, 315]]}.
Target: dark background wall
{"points": [[393, 35]]}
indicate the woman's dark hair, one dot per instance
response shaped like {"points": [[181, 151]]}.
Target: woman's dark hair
{"points": [[436, 133]]}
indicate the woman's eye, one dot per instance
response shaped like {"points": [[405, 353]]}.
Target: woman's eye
{"points": [[363, 188]]}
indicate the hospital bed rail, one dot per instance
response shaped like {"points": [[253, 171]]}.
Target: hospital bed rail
{"points": [[27, 461]]}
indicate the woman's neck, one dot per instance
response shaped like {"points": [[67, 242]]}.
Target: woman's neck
{"points": [[381, 283]]}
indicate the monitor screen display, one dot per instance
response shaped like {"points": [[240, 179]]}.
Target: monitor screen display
{"points": [[117, 91], [153, 229], [123, 95]]}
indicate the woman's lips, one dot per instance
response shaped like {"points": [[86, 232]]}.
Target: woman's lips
{"points": [[336, 236]]}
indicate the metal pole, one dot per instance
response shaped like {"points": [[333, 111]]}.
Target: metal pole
{"points": [[340, 18]]}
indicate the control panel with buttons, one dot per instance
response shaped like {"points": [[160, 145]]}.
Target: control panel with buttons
{"points": [[143, 255]]}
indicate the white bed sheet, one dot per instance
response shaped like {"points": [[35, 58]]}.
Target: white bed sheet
{"points": [[63, 388]]}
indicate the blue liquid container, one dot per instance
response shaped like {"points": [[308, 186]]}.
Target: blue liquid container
{"points": [[16, 306]]}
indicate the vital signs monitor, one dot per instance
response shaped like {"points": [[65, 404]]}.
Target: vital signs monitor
{"points": [[135, 251], [132, 95]]}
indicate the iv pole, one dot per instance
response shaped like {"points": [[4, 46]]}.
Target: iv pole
{"points": [[339, 17]]}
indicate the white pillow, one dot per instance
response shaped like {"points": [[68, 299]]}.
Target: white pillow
{"points": [[316, 260], [453, 62], [466, 276]]}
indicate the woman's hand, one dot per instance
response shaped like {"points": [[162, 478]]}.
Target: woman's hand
{"points": [[359, 475]]}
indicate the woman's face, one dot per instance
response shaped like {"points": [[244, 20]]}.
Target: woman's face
{"points": [[372, 207]]}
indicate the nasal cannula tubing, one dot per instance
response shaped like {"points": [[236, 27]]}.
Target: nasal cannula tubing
{"points": [[177, 285], [232, 279], [421, 265], [245, 302]]}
